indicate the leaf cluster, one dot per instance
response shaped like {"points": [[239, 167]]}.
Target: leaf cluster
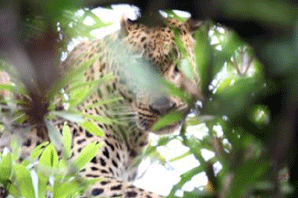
{"points": [[52, 174]]}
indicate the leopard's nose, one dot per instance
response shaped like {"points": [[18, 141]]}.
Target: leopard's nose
{"points": [[162, 105]]}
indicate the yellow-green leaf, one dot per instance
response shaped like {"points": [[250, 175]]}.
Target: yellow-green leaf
{"points": [[86, 155], [66, 141], [65, 189], [74, 117], [92, 128], [54, 135], [5, 167], [24, 181], [38, 150], [167, 120], [49, 157]]}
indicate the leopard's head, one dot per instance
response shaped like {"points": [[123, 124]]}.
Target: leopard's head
{"points": [[158, 46]]}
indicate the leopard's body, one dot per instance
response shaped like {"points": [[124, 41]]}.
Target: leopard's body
{"points": [[124, 142]]}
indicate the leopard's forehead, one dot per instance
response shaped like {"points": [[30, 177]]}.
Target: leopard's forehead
{"points": [[158, 44]]}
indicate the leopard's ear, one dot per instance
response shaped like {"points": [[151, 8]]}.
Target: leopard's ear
{"points": [[192, 24], [128, 25]]}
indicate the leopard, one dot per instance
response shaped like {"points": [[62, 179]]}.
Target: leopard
{"points": [[138, 109]]}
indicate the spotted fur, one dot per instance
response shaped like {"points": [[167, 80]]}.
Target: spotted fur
{"points": [[124, 141]]}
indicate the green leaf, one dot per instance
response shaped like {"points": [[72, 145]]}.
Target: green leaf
{"points": [[13, 191], [185, 177], [5, 167], [72, 188], [198, 119], [180, 156], [98, 22], [167, 120], [79, 117], [49, 157], [233, 100], [15, 144], [172, 14], [38, 150], [199, 194], [164, 140], [92, 128], [172, 89], [54, 135], [12, 88], [63, 164], [65, 189], [86, 155], [102, 102], [24, 181], [203, 56], [185, 65], [42, 184], [103, 119], [231, 43], [66, 138], [6, 87], [195, 147], [246, 176], [84, 85], [80, 94], [72, 75], [71, 116]]}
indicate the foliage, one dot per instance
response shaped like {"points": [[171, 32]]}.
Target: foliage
{"points": [[231, 80], [50, 175]]}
